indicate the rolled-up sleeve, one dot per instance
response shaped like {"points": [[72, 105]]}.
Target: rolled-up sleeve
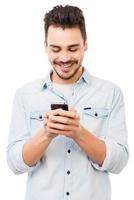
{"points": [[18, 136], [115, 138]]}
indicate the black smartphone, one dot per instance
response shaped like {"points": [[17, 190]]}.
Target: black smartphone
{"points": [[59, 105]]}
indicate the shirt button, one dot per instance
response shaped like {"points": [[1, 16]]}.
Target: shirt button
{"points": [[68, 172], [69, 151], [96, 114], [67, 193], [40, 116]]}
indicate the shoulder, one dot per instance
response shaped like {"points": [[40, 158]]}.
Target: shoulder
{"points": [[31, 87], [104, 85], [108, 89]]}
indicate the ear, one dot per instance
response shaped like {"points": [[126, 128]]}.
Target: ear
{"points": [[85, 46]]}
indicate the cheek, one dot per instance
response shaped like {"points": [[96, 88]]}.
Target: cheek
{"points": [[52, 57], [79, 55]]}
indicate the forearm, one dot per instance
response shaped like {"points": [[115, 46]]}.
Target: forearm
{"points": [[91, 145], [34, 149]]}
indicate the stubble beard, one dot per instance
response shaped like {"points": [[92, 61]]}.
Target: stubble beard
{"points": [[69, 77]]}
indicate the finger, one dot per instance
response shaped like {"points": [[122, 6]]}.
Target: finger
{"points": [[60, 126], [59, 132], [64, 120], [45, 121], [68, 133], [70, 114], [52, 112]]}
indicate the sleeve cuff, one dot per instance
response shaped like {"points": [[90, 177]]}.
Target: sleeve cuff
{"points": [[107, 161], [15, 159], [116, 157]]}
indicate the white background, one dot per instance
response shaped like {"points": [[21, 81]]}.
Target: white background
{"points": [[110, 29]]}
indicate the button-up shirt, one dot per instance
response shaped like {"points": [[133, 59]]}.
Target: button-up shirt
{"points": [[65, 172]]}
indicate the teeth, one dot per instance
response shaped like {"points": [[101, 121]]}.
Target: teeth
{"points": [[66, 66]]}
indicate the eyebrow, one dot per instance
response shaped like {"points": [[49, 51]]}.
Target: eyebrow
{"points": [[72, 45]]}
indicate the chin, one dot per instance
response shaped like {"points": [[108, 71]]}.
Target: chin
{"points": [[66, 77]]}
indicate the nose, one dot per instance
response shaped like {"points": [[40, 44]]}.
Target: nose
{"points": [[64, 56]]}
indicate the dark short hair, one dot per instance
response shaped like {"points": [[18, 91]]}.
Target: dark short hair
{"points": [[65, 17]]}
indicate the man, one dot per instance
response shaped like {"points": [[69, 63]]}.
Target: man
{"points": [[68, 154]]}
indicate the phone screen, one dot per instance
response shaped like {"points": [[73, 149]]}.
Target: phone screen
{"points": [[59, 105]]}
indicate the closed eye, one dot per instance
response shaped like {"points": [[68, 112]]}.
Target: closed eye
{"points": [[55, 50], [73, 50]]}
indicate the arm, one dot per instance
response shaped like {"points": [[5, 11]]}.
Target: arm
{"points": [[94, 147], [24, 152], [108, 153], [34, 149], [91, 145]]}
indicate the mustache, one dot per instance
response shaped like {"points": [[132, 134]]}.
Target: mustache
{"points": [[66, 63]]}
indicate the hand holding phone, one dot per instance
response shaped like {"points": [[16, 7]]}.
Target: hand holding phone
{"points": [[59, 122]]}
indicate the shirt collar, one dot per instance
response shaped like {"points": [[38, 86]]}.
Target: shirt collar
{"points": [[47, 81], [84, 77]]}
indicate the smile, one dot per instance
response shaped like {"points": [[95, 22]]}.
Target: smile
{"points": [[66, 67]]}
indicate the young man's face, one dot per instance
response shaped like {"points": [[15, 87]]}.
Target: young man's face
{"points": [[65, 49]]}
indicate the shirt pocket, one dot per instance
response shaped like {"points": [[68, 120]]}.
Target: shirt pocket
{"points": [[36, 120], [95, 118]]}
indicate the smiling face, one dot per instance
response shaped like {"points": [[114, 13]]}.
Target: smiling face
{"points": [[65, 49]]}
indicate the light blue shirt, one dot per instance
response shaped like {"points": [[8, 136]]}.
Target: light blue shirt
{"points": [[65, 172]]}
